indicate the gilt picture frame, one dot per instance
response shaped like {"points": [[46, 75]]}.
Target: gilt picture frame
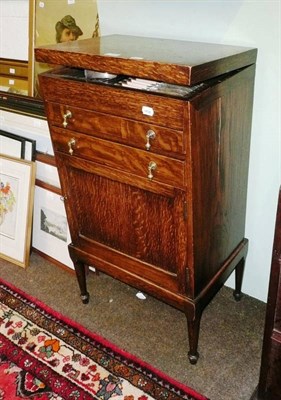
{"points": [[16, 208], [55, 22]]}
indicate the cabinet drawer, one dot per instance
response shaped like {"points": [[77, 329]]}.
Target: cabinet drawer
{"points": [[120, 157], [144, 136], [145, 107], [14, 84], [15, 69]]}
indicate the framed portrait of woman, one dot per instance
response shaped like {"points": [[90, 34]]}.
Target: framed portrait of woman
{"points": [[60, 21]]}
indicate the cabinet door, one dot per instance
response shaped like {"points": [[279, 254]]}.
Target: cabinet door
{"points": [[126, 223]]}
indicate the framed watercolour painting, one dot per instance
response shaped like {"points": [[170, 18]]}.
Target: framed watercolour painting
{"points": [[17, 180]]}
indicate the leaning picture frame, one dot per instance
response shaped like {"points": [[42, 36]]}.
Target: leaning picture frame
{"points": [[48, 174], [12, 145], [16, 207], [30, 149], [51, 235], [56, 22], [17, 146]]}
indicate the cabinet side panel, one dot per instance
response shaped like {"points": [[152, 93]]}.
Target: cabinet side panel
{"points": [[221, 125]]}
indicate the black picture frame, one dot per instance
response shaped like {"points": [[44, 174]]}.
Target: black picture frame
{"points": [[17, 146]]}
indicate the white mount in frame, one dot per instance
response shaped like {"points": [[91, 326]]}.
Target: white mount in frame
{"points": [[17, 179]]}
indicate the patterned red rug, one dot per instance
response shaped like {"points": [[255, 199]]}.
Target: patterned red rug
{"points": [[44, 355]]}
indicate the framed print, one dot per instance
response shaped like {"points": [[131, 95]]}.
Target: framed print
{"points": [[50, 229], [12, 145], [29, 149], [17, 146], [16, 205], [60, 21], [47, 173]]}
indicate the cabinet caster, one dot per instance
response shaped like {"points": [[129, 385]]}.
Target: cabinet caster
{"points": [[85, 298], [193, 358]]}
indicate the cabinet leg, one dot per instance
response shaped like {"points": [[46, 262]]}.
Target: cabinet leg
{"points": [[193, 326], [80, 270], [239, 272]]}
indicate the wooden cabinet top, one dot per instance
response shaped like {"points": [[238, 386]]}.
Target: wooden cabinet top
{"points": [[172, 61]]}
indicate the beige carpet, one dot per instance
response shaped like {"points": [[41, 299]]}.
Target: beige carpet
{"points": [[230, 337]]}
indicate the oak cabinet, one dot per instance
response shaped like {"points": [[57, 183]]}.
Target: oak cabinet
{"points": [[153, 163]]}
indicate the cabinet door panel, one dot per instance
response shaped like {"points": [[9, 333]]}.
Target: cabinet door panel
{"points": [[146, 226]]}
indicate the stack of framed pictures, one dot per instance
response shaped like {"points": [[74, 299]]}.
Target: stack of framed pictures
{"points": [[32, 209], [17, 183]]}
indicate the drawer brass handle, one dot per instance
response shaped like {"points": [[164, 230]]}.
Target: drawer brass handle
{"points": [[150, 135], [71, 143], [67, 115], [151, 167]]}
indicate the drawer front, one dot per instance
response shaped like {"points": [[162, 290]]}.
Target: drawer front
{"points": [[149, 166], [10, 69], [149, 108], [144, 136], [13, 83]]}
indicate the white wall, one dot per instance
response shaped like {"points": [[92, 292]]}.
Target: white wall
{"points": [[14, 29], [247, 23]]}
